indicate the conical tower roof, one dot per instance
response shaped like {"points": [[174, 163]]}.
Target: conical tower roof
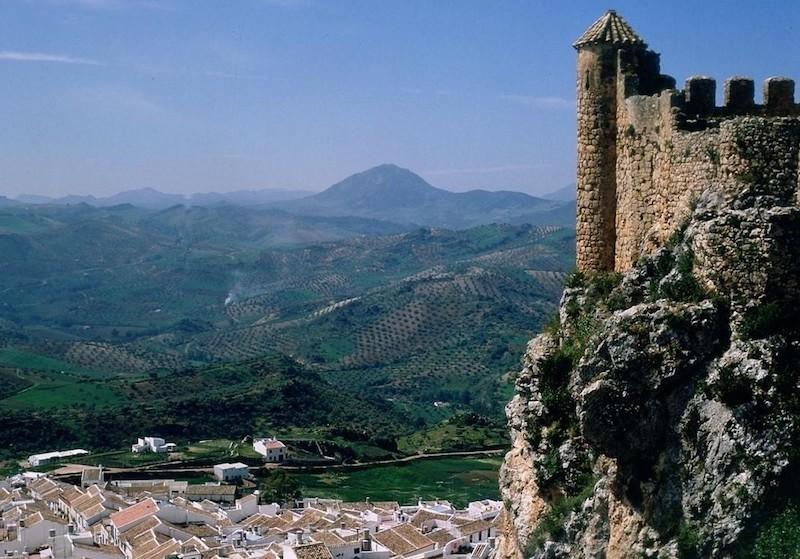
{"points": [[611, 29]]}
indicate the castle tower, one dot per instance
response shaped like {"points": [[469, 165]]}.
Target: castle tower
{"points": [[598, 58]]}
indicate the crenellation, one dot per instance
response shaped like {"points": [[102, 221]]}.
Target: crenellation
{"points": [[701, 95], [779, 95], [646, 150], [739, 95]]}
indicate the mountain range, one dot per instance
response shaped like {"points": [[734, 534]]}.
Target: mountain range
{"points": [[384, 193], [151, 198], [564, 194], [389, 192]]}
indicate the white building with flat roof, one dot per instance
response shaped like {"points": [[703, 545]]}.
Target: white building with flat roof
{"points": [[231, 472], [47, 457]]}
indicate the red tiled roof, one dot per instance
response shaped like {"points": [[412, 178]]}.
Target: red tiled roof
{"points": [[133, 513]]}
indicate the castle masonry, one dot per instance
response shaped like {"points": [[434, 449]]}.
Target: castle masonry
{"points": [[646, 150]]}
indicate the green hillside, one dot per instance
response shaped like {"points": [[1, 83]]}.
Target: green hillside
{"points": [[258, 396], [105, 308]]}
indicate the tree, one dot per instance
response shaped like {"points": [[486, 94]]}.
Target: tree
{"points": [[279, 487]]}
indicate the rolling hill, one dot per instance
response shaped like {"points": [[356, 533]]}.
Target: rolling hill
{"points": [[55, 410], [100, 304]]}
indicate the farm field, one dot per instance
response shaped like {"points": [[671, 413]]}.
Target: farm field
{"points": [[371, 341], [459, 480], [460, 432], [29, 360], [119, 459], [205, 451], [47, 390], [222, 450]]}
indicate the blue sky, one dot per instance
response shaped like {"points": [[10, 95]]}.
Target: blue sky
{"points": [[100, 96]]}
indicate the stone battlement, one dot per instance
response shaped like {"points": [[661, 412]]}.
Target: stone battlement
{"points": [[698, 98], [646, 149]]}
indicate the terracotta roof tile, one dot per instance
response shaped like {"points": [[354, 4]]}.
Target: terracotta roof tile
{"points": [[402, 540], [423, 516], [328, 538], [163, 550], [104, 549], [610, 29], [210, 490], [133, 513], [476, 526], [441, 537], [313, 551], [132, 533]]}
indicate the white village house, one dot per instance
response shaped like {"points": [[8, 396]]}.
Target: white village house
{"points": [[41, 518], [47, 457], [153, 444], [271, 449], [231, 472]]}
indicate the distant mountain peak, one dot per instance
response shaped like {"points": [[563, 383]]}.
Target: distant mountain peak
{"points": [[387, 167], [388, 171], [392, 193], [147, 190], [385, 185]]}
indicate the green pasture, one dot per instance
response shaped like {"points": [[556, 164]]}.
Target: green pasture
{"points": [[458, 480], [12, 357], [56, 390]]}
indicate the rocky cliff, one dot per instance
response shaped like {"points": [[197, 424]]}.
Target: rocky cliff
{"points": [[659, 417]]}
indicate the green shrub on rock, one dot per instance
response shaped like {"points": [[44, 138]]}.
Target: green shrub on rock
{"points": [[780, 536]]}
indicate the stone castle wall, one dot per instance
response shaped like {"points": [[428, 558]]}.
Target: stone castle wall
{"points": [[669, 145]]}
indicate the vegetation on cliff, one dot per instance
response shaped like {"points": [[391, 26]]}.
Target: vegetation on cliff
{"points": [[658, 417]]}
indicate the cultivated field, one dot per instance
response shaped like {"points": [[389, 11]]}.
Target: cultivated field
{"points": [[459, 480], [123, 309]]}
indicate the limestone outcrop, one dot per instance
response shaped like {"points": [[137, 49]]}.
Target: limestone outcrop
{"points": [[660, 417]]}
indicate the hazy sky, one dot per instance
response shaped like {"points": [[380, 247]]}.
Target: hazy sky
{"points": [[105, 95]]}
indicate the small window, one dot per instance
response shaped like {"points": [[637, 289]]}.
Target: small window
{"points": [[586, 81]]}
